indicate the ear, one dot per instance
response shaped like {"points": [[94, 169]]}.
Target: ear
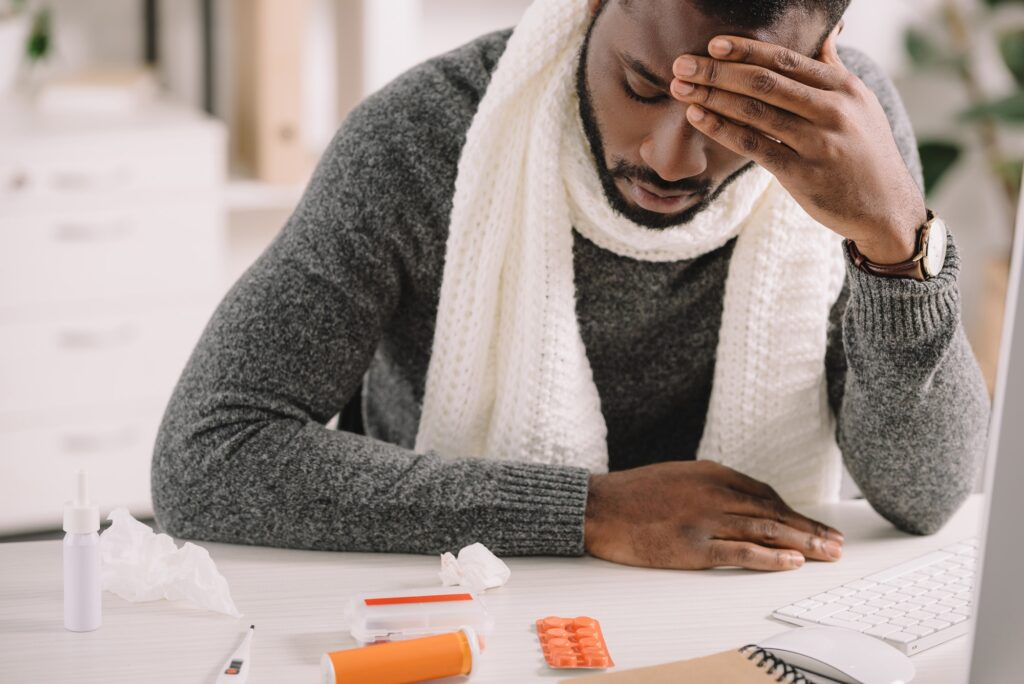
{"points": [[830, 48], [594, 5]]}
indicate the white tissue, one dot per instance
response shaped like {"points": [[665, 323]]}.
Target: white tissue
{"points": [[476, 568], [139, 565]]}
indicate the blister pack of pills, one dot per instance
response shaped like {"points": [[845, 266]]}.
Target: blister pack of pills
{"points": [[573, 642]]}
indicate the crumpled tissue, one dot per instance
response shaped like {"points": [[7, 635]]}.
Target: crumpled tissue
{"points": [[140, 565], [476, 568]]}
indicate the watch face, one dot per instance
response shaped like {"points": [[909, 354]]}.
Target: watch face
{"points": [[935, 251]]}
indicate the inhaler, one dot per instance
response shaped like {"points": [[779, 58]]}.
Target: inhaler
{"points": [[82, 593]]}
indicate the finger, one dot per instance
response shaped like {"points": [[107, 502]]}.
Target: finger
{"points": [[791, 129], [760, 501], [744, 141], [827, 72], [755, 81], [775, 534], [723, 553]]}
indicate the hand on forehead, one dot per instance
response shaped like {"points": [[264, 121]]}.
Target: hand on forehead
{"points": [[656, 32]]}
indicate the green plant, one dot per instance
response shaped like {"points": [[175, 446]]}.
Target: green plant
{"points": [[38, 46], [951, 50]]}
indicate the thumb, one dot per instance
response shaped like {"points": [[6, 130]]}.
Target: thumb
{"points": [[830, 48]]}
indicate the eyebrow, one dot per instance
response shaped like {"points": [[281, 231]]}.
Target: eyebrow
{"points": [[643, 70]]}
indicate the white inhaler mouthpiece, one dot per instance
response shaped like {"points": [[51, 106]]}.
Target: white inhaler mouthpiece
{"points": [[82, 592]]}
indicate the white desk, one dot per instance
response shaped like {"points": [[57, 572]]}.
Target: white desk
{"points": [[296, 598]]}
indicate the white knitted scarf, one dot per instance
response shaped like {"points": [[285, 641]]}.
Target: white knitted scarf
{"points": [[509, 376]]}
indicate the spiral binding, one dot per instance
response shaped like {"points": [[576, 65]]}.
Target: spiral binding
{"points": [[787, 673]]}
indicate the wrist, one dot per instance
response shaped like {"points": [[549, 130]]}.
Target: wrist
{"points": [[593, 516], [893, 246]]}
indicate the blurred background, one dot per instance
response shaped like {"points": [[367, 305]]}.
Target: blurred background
{"points": [[151, 149]]}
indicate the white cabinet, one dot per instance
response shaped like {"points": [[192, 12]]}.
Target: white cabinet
{"points": [[111, 262]]}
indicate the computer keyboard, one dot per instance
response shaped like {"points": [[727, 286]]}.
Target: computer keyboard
{"points": [[913, 606]]}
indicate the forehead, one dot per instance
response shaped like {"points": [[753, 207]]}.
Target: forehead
{"points": [[664, 29]]}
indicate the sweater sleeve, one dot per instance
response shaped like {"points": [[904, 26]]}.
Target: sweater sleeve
{"points": [[911, 405], [243, 454]]}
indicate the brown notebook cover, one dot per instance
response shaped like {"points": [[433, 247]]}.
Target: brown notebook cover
{"points": [[749, 665]]}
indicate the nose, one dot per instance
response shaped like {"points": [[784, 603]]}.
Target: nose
{"points": [[674, 149]]}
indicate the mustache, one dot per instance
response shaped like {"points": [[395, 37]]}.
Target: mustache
{"points": [[625, 170]]}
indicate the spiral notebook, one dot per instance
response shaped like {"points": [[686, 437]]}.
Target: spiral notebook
{"points": [[748, 665]]}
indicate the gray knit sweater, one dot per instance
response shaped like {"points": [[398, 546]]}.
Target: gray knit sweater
{"points": [[348, 294]]}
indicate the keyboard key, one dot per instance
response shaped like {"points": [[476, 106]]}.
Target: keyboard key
{"points": [[791, 611], [841, 592], [883, 630], [955, 618], [860, 584], [953, 602], [851, 601], [885, 589], [898, 582], [868, 594], [936, 624], [890, 613], [863, 610], [824, 598], [873, 619], [939, 594], [914, 590], [914, 577], [808, 603], [846, 624], [904, 621], [907, 607], [847, 615], [816, 614], [919, 630], [939, 608], [901, 637], [882, 603], [929, 585], [922, 600], [920, 615]]}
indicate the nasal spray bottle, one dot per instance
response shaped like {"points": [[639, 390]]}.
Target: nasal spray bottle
{"points": [[82, 605]]}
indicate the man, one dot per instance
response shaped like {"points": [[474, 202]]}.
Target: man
{"points": [[595, 277]]}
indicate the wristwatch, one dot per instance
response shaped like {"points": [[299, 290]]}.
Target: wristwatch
{"points": [[929, 255]]}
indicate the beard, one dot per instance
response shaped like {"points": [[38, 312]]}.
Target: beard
{"points": [[702, 189]]}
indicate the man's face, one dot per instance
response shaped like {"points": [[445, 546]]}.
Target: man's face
{"points": [[656, 168]]}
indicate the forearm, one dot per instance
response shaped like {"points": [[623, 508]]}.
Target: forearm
{"points": [[915, 409], [289, 482]]}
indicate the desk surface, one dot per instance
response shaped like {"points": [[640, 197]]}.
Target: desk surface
{"points": [[296, 599]]}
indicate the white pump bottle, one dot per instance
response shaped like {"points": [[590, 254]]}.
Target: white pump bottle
{"points": [[82, 593]]}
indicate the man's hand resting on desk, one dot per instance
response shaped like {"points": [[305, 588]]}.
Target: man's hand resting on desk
{"points": [[692, 515]]}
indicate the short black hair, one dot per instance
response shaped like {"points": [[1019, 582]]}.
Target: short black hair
{"points": [[751, 14], [756, 13]]}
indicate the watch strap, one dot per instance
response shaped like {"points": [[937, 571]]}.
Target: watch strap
{"points": [[911, 268]]}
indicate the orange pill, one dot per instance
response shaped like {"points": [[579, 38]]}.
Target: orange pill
{"points": [[573, 642]]}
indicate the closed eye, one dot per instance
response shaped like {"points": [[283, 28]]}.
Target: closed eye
{"points": [[632, 94]]}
